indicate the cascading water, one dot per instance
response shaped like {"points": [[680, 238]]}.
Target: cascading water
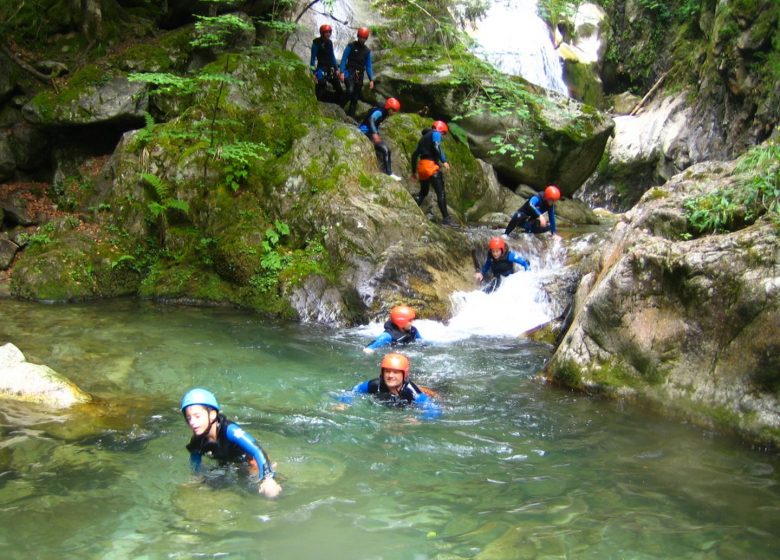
{"points": [[519, 304], [516, 41]]}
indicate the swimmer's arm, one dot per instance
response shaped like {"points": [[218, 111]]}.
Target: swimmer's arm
{"points": [[430, 409], [360, 388], [382, 340], [246, 442], [195, 462]]}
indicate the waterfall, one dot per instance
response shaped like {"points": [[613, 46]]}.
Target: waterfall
{"points": [[519, 304], [516, 41]]}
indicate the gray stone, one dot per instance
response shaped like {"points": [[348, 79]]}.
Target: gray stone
{"points": [[8, 249]]}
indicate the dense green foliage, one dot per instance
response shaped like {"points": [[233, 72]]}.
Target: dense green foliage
{"points": [[757, 193]]}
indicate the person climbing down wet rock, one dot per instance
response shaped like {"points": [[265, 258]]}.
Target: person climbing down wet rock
{"points": [[324, 66], [355, 63], [531, 215], [427, 162], [370, 127]]}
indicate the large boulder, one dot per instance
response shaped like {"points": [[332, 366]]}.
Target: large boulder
{"points": [[23, 381], [647, 150], [689, 324], [528, 134], [583, 54]]}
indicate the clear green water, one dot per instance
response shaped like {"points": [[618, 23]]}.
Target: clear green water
{"points": [[514, 469]]}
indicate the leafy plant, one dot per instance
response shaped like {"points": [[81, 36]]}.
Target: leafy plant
{"points": [[159, 208], [758, 193]]}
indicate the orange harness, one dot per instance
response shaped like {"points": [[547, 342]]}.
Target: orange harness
{"points": [[426, 169]]}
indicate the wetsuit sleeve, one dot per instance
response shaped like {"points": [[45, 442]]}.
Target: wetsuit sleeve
{"points": [[237, 435], [551, 213], [486, 266], [515, 258], [313, 61], [436, 137], [372, 126], [344, 58], [195, 461], [415, 157], [382, 340], [359, 389], [430, 409], [534, 204], [369, 67]]}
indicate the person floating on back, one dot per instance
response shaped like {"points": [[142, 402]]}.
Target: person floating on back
{"points": [[355, 62], [500, 262], [398, 329], [370, 127], [427, 160], [324, 67], [216, 436], [530, 216], [394, 387]]}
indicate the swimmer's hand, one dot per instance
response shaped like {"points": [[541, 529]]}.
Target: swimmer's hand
{"points": [[269, 488]]}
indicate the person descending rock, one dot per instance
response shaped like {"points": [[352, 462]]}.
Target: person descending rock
{"points": [[323, 65], [500, 262], [370, 127], [355, 62], [398, 329], [427, 160], [530, 216], [216, 436], [394, 387]]}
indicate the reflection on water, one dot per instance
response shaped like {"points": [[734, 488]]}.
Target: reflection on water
{"points": [[513, 469]]}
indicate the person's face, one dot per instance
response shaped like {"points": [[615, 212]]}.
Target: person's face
{"points": [[199, 417], [496, 253], [394, 378], [326, 34]]}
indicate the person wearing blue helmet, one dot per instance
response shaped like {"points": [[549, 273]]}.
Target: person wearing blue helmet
{"points": [[216, 436]]}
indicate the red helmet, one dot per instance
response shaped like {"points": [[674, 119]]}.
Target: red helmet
{"points": [[393, 103], [325, 28], [363, 33], [441, 126], [396, 361], [552, 193], [497, 243], [402, 315]]}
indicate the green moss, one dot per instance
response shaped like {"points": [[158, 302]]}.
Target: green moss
{"points": [[568, 374]]}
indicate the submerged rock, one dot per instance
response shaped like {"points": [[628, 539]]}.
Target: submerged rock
{"points": [[23, 381]]}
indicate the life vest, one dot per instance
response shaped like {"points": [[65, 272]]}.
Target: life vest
{"points": [[407, 394], [501, 266], [223, 450], [324, 52], [358, 56], [400, 336]]}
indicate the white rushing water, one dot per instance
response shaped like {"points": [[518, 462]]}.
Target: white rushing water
{"points": [[518, 305], [516, 41]]}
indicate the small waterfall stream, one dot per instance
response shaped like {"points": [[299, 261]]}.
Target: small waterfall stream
{"points": [[516, 41]]}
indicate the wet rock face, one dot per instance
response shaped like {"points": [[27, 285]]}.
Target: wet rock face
{"points": [[682, 322], [23, 381]]}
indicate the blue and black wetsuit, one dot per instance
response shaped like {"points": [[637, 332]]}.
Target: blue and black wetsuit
{"points": [[355, 61], [395, 336], [409, 393], [528, 215], [233, 445], [324, 67], [370, 126], [429, 150], [501, 268]]}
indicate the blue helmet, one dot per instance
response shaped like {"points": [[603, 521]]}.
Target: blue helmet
{"points": [[199, 396]]}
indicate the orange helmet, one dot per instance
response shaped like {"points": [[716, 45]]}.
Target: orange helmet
{"points": [[552, 193], [497, 243], [325, 28], [441, 126], [402, 315], [396, 361], [363, 33], [393, 103]]}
